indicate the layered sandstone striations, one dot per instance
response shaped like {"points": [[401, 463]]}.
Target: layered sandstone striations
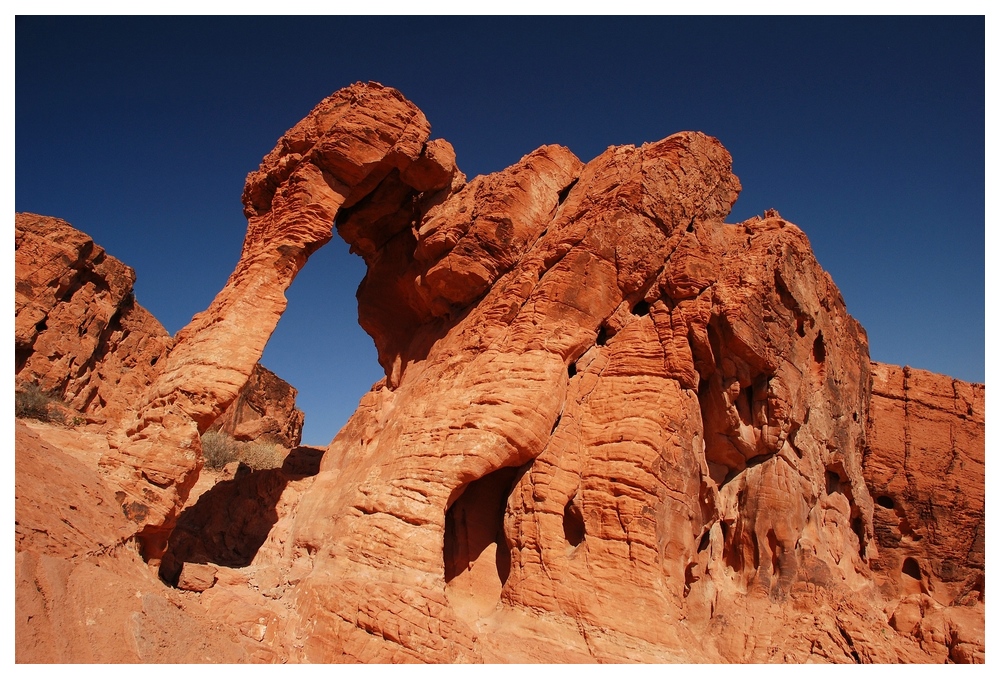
{"points": [[612, 427], [604, 390], [925, 466]]}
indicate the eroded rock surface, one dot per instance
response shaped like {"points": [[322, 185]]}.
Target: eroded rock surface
{"points": [[612, 428], [81, 337], [78, 332], [352, 142], [264, 409], [925, 466], [653, 411], [82, 594]]}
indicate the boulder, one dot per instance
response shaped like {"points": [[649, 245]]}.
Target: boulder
{"points": [[264, 409], [197, 577]]}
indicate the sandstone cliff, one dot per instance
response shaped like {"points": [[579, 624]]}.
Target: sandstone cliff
{"points": [[925, 466], [612, 427]]}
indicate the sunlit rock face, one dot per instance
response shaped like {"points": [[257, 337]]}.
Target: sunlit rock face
{"points": [[612, 427], [81, 337], [78, 332], [925, 467], [606, 411], [351, 143], [264, 409]]}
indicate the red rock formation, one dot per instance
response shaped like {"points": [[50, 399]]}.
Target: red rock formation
{"points": [[925, 467], [612, 426], [80, 335], [352, 142], [81, 592], [78, 332], [264, 409], [623, 404]]}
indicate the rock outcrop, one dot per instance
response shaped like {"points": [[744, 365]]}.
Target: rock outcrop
{"points": [[356, 141], [925, 467], [78, 332], [604, 390], [264, 409], [82, 338], [612, 427], [82, 594]]}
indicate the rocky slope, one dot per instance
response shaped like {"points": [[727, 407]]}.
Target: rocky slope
{"points": [[613, 427]]}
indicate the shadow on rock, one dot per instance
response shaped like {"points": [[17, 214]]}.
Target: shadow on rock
{"points": [[230, 521]]}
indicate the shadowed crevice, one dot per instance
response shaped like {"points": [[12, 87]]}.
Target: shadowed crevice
{"points": [[230, 521]]}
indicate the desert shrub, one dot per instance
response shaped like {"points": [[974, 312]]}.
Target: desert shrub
{"points": [[260, 455], [31, 401], [218, 448]]}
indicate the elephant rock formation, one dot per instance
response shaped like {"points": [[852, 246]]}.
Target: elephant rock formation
{"points": [[612, 426]]}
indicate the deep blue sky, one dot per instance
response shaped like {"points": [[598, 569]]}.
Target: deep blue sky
{"points": [[868, 133]]}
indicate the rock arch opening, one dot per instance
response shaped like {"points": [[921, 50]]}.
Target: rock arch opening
{"points": [[318, 342]]}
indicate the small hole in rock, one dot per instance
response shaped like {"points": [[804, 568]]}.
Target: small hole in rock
{"points": [[858, 526], [885, 501], [832, 482], [571, 370], [819, 349], [573, 525], [689, 578], [602, 336], [703, 544], [565, 192], [641, 308], [555, 425], [911, 568]]}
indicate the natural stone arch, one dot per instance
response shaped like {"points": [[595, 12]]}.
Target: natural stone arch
{"points": [[331, 160]]}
